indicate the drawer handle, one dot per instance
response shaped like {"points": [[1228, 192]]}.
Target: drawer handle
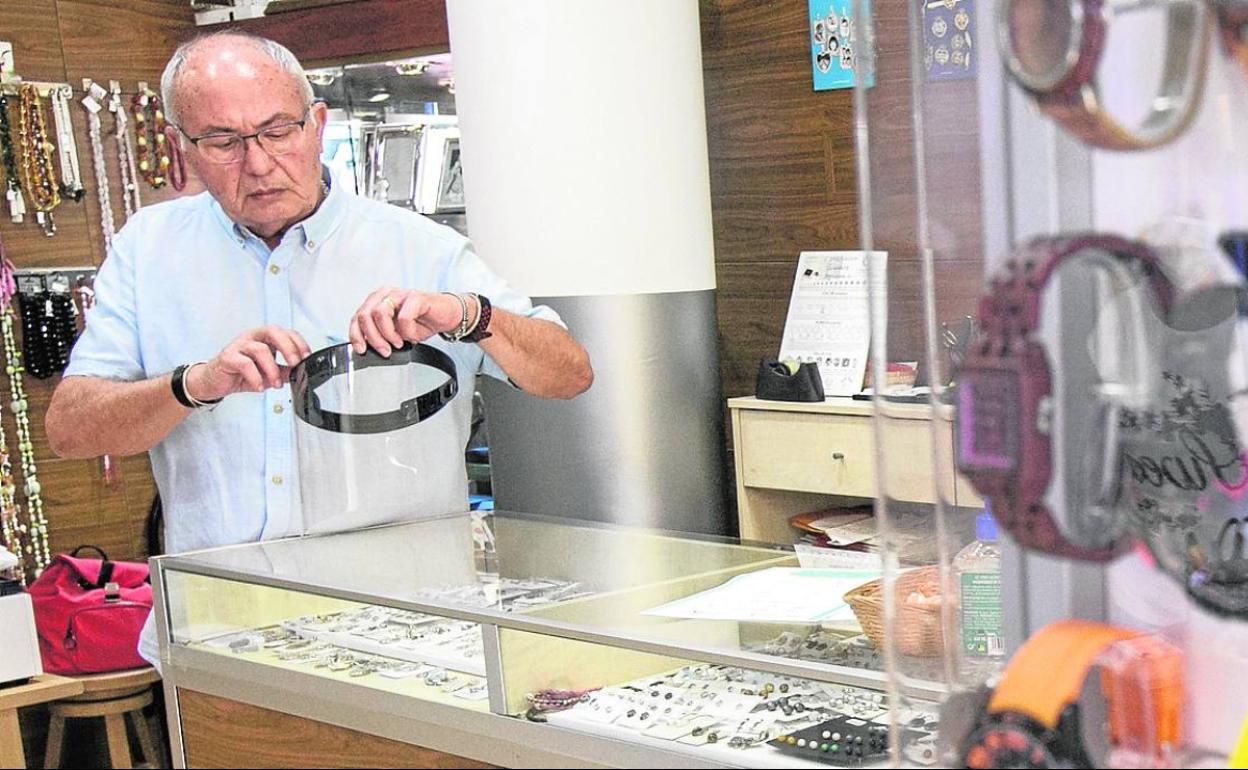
{"points": [[838, 455]]}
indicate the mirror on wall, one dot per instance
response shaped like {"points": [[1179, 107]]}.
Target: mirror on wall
{"points": [[393, 130]]}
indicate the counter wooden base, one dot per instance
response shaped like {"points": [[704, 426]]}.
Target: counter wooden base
{"points": [[218, 732]]}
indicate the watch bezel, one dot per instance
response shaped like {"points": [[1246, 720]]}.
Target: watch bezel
{"points": [[1087, 37]]}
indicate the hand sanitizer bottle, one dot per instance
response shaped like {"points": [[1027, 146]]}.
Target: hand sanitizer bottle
{"points": [[977, 570]]}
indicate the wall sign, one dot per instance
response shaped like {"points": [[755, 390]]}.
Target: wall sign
{"points": [[833, 41], [949, 38]]}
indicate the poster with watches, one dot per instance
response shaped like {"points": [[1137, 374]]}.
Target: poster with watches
{"points": [[949, 38], [833, 42], [829, 320]]}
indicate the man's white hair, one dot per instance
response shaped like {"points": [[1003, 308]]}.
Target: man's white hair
{"points": [[275, 51]]}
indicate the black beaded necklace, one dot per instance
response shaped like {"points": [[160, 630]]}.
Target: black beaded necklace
{"points": [[48, 330], [9, 157]]}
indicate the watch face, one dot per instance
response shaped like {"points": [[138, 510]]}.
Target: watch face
{"points": [[988, 421], [1008, 745], [1041, 38]]}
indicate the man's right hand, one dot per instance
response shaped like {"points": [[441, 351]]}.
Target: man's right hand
{"points": [[248, 364]]}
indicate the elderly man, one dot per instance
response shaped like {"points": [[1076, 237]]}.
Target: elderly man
{"points": [[211, 298]]}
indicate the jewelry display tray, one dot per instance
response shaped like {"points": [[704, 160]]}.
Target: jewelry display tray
{"points": [[556, 605]]}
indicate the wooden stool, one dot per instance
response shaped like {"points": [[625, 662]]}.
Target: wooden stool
{"points": [[112, 696]]}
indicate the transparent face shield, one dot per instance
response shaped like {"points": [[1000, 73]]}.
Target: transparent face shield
{"points": [[375, 440]]}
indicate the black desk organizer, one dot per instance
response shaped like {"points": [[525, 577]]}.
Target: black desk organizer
{"points": [[775, 383]]}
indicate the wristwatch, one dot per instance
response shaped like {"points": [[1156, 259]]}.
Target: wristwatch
{"points": [[1053, 49], [1009, 415], [177, 383], [1047, 711]]}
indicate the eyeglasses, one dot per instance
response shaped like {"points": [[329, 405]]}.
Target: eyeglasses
{"points": [[223, 148]]}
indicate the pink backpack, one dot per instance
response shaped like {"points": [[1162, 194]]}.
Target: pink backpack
{"points": [[89, 613]]}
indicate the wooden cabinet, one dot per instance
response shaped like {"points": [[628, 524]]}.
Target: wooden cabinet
{"points": [[792, 458]]}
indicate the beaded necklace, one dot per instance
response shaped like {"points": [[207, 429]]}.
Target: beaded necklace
{"points": [[71, 174], [35, 530], [151, 134], [38, 173], [11, 529], [13, 187], [125, 153], [95, 94]]}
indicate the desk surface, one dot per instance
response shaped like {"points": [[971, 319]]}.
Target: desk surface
{"points": [[837, 405], [41, 689]]}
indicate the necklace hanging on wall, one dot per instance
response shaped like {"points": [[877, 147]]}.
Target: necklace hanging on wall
{"points": [[38, 173], [125, 152], [13, 187], [12, 530], [35, 529], [149, 128], [49, 326], [71, 173], [92, 103]]}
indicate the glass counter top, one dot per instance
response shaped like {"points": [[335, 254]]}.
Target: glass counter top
{"points": [[577, 580]]}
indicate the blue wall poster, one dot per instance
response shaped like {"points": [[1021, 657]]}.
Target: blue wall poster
{"points": [[949, 38], [833, 38]]}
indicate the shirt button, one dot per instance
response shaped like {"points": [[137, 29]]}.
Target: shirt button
{"points": [[277, 480], [311, 244], [277, 409], [274, 269]]}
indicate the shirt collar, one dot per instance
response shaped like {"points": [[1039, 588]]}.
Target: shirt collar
{"points": [[316, 229]]}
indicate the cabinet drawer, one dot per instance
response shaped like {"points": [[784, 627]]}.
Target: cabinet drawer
{"points": [[785, 450], [782, 450]]}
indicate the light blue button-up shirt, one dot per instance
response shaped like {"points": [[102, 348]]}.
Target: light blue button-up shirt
{"points": [[181, 281]]}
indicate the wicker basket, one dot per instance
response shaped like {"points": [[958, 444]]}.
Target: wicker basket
{"points": [[918, 629]]}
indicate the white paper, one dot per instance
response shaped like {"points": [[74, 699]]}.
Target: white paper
{"points": [[829, 320], [811, 557], [775, 595]]}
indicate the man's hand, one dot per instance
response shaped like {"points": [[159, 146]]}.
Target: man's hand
{"points": [[248, 364], [391, 317]]}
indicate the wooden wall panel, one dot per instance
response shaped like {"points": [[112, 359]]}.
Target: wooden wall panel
{"points": [[364, 30], [782, 170], [127, 41], [31, 26], [218, 732], [783, 177]]}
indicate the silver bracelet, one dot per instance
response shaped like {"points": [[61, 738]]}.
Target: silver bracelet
{"points": [[462, 330]]}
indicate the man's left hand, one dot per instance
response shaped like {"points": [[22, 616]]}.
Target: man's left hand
{"points": [[391, 317]]}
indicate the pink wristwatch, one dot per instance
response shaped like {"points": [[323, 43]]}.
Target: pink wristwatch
{"points": [[1005, 402]]}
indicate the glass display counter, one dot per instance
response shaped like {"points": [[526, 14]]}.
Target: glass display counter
{"points": [[520, 640]]}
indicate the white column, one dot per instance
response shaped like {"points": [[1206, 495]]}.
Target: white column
{"points": [[587, 187]]}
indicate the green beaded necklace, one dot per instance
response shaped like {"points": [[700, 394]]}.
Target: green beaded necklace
{"points": [[35, 530]]}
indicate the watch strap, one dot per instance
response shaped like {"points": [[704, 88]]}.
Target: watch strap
{"points": [[481, 330], [1047, 673], [1075, 105], [177, 384]]}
